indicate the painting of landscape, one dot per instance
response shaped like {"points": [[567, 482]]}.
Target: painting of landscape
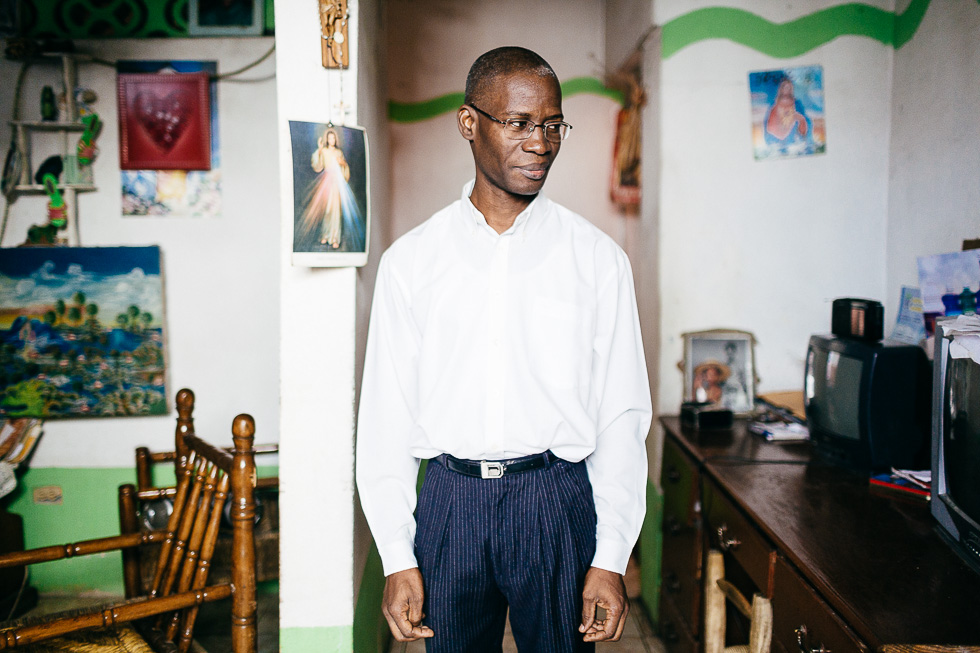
{"points": [[81, 332]]}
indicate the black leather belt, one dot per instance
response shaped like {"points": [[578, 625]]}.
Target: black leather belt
{"points": [[497, 468]]}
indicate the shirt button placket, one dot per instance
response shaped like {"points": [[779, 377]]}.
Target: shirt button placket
{"points": [[497, 312]]}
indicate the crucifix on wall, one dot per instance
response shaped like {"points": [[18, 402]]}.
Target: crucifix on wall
{"points": [[334, 18]]}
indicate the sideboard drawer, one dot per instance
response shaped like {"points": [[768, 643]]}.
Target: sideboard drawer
{"points": [[679, 481], [731, 533], [796, 607], [681, 569], [674, 631]]}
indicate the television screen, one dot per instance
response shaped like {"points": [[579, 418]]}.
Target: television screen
{"points": [[833, 383], [962, 436]]}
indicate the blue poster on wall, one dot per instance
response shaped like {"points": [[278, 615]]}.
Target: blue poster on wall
{"points": [[788, 112]]}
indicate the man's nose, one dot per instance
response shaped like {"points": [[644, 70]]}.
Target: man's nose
{"points": [[536, 142]]}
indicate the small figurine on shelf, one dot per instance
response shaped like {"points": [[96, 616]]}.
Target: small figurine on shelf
{"points": [[47, 234], [57, 208], [86, 144], [49, 111]]}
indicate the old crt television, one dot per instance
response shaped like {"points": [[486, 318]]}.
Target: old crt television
{"points": [[868, 404], [956, 451]]}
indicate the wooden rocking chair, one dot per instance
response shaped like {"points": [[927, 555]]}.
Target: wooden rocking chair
{"points": [[138, 568], [163, 621]]}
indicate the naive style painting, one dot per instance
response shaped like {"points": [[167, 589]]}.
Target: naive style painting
{"points": [[81, 332], [330, 220], [788, 112]]}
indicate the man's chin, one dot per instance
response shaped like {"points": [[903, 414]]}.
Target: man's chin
{"points": [[525, 186]]}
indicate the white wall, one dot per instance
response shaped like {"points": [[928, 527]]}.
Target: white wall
{"points": [[220, 274], [935, 158], [317, 365], [765, 246]]}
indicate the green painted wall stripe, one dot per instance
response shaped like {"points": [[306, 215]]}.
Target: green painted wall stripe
{"points": [[323, 639], [419, 111], [93, 493], [779, 40], [796, 37], [580, 85]]}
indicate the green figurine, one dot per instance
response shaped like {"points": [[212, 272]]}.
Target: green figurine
{"points": [[57, 208], [49, 111], [86, 144]]}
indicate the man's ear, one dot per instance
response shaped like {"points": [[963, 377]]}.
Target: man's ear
{"points": [[466, 122]]}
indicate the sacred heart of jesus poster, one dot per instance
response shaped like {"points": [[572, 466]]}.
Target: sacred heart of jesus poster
{"points": [[164, 121]]}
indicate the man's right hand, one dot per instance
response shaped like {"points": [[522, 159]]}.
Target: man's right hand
{"points": [[402, 605]]}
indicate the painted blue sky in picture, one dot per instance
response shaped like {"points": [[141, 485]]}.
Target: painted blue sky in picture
{"points": [[116, 277], [81, 332]]}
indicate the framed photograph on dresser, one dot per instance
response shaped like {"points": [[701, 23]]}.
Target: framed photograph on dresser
{"points": [[719, 367]]}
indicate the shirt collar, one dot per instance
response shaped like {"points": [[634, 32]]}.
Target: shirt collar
{"points": [[478, 221]]}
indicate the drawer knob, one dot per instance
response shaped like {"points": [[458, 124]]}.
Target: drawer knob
{"points": [[724, 542], [673, 475], [669, 632], [672, 526], [671, 582], [803, 640]]}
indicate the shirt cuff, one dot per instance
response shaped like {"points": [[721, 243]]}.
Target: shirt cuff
{"points": [[397, 556], [611, 555]]}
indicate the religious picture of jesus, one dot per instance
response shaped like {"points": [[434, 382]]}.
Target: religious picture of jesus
{"points": [[788, 112], [330, 219]]}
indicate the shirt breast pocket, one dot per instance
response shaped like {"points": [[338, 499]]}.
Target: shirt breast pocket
{"points": [[560, 343]]}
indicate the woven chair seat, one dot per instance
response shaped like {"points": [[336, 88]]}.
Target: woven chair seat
{"points": [[119, 639]]}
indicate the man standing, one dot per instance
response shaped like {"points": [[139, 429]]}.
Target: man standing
{"points": [[504, 348]]}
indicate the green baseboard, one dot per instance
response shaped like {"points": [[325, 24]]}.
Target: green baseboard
{"points": [[651, 546], [322, 639]]}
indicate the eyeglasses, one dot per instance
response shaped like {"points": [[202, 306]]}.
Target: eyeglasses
{"points": [[520, 129]]}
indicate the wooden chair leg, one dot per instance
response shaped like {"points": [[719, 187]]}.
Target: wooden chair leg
{"points": [[129, 523]]}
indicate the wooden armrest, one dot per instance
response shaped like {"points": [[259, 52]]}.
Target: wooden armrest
{"points": [[83, 548]]}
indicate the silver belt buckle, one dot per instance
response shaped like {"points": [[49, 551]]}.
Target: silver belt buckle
{"points": [[491, 469]]}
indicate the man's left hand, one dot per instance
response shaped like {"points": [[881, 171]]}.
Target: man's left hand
{"points": [[606, 590]]}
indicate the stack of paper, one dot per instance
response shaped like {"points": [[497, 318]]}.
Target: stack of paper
{"points": [[780, 431], [965, 332]]}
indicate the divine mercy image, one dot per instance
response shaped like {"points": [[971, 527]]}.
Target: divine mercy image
{"points": [[329, 191]]}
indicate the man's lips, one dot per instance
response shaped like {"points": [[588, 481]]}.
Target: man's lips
{"points": [[535, 171]]}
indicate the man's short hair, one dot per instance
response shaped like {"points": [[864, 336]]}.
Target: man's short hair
{"points": [[499, 62]]}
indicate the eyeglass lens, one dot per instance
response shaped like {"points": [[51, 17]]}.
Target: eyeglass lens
{"points": [[522, 129]]}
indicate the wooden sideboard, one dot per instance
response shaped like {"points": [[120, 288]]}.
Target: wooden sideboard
{"points": [[853, 568]]}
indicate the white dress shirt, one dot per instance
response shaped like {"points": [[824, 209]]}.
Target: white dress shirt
{"points": [[490, 346]]}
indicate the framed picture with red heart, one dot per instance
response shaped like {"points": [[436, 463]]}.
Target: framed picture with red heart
{"points": [[164, 121]]}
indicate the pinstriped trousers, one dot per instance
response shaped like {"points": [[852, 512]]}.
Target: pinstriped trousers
{"points": [[524, 541]]}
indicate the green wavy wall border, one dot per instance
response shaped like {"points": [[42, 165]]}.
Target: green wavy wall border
{"points": [[796, 37], [779, 40], [418, 111]]}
